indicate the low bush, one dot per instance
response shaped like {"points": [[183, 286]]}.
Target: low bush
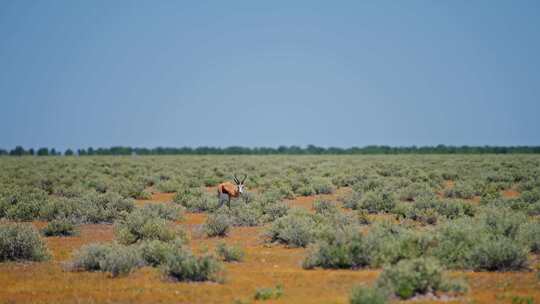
{"points": [[21, 242], [322, 186], [106, 207], [377, 201], [230, 253], [113, 258], [296, 229], [155, 252], [410, 277], [59, 227], [325, 207], [164, 211], [498, 254], [217, 224], [368, 295], [274, 210], [196, 199], [184, 266], [529, 235], [460, 190], [121, 260], [143, 224], [343, 251], [268, 293], [24, 204]]}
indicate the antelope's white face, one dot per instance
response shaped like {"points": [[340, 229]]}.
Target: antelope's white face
{"points": [[240, 183], [241, 188]]}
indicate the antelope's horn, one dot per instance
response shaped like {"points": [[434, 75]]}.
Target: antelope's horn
{"points": [[236, 179], [245, 176]]}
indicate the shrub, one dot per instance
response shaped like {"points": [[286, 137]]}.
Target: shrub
{"points": [[296, 229], [366, 295], [377, 201], [497, 254], [245, 214], [143, 224], [121, 260], [19, 242], [460, 190], [164, 211], [229, 253], [113, 258], [344, 251], [410, 277], [529, 235], [502, 221], [25, 204], [155, 252], [268, 293], [323, 186], [105, 207], [168, 186], [324, 207], [59, 227], [89, 256], [62, 207], [274, 210], [455, 240], [196, 200], [184, 266], [217, 224]]}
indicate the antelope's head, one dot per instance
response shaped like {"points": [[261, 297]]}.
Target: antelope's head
{"points": [[240, 184]]}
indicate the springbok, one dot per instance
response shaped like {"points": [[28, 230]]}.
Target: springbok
{"points": [[231, 190]]}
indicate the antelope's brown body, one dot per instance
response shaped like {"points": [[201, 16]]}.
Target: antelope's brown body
{"points": [[228, 188]]}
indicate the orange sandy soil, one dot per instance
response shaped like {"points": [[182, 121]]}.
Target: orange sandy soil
{"points": [[265, 266]]}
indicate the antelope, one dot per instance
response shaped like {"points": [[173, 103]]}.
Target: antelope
{"points": [[231, 190]]}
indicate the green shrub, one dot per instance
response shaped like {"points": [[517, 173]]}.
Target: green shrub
{"points": [[267, 293], [217, 224], [343, 251], [20, 242], [377, 201], [105, 207], [89, 256], [229, 253], [155, 252], [322, 186], [59, 227], [164, 211], [529, 235], [121, 260], [455, 241], [498, 254], [410, 277], [324, 207], [274, 210], [367, 295], [184, 266], [113, 258], [460, 190], [25, 204], [296, 229], [143, 224], [196, 199], [62, 207], [502, 221], [168, 186], [389, 243]]}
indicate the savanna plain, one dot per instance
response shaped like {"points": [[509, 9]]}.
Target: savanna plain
{"points": [[308, 229]]}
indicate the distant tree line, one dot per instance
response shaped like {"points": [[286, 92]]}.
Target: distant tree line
{"points": [[285, 150]]}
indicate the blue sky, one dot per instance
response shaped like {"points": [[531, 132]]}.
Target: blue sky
{"points": [[253, 73]]}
